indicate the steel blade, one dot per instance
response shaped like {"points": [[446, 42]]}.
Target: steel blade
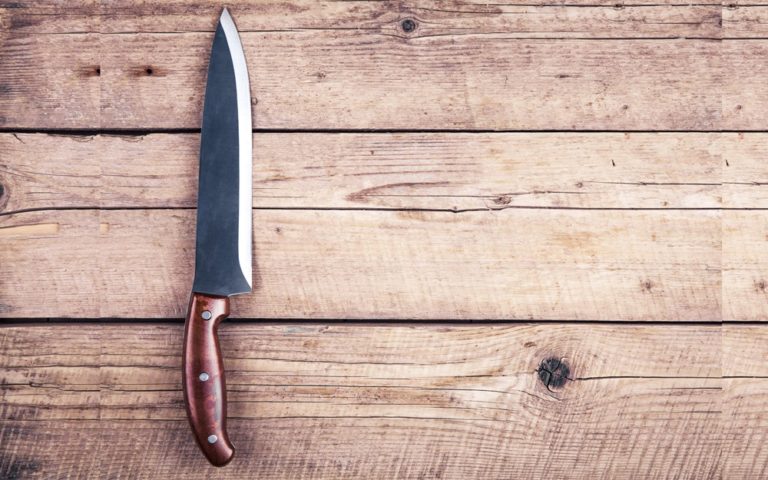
{"points": [[224, 203]]}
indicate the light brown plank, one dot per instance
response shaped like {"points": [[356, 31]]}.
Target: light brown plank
{"points": [[529, 19], [745, 21], [509, 264], [457, 71], [49, 81], [745, 265], [743, 91], [537, 18], [428, 171], [354, 79], [330, 401], [745, 348], [745, 170]]}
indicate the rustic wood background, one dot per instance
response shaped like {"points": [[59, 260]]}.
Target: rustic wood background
{"points": [[522, 240]]}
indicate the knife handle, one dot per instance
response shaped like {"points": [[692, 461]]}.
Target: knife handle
{"points": [[205, 393]]}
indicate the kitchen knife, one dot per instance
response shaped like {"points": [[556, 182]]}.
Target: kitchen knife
{"points": [[224, 231]]}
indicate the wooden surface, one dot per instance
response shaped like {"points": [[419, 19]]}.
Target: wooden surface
{"points": [[332, 401], [586, 179]]}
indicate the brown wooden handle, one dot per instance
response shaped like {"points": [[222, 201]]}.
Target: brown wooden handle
{"points": [[205, 393]]}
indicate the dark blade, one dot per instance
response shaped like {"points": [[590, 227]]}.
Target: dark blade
{"points": [[224, 202]]}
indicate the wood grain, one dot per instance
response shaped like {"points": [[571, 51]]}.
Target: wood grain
{"points": [[745, 171], [334, 401], [493, 264], [446, 171], [205, 399], [745, 265], [526, 18], [351, 66], [748, 20], [743, 91], [745, 348]]}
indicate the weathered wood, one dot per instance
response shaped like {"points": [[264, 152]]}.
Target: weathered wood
{"points": [[509, 264], [744, 92], [601, 19], [428, 171], [331, 401], [485, 70], [745, 170], [745, 348], [745, 21], [745, 265]]}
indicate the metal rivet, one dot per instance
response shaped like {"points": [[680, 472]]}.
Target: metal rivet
{"points": [[207, 315], [203, 377], [212, 439]]}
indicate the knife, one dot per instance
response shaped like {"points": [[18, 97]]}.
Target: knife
{"points": [[224, 238]]}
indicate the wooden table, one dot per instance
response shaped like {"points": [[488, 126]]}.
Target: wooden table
{"points": [[492, 240]]}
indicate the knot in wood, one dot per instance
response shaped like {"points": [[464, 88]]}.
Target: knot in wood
{"points": [[553, 372], [408, 25]]}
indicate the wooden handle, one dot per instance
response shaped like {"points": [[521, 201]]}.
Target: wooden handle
{"points": [[205, 393]]}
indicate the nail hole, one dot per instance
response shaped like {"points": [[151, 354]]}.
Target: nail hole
{"points": [[408, 25], [149, 71]]}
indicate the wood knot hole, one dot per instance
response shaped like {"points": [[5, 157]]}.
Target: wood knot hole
{"points": [[408, 25], [3, 197], [553, 372]]}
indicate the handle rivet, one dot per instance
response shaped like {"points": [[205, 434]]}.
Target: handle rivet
{"points": [[212, 439], [203, 377], [207, 315]]}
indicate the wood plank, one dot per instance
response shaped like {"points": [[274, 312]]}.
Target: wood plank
{"points": [[749, 20], [535, 19], [743, 91], [525, 18], [425, 171], [745, 265], [745, 348], [357, 80], [341, 401], [745, 171], [509, 264], [50, 81], [479, 78]]}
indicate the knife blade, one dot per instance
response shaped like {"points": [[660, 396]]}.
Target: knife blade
{"points": [[223, 238]]}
